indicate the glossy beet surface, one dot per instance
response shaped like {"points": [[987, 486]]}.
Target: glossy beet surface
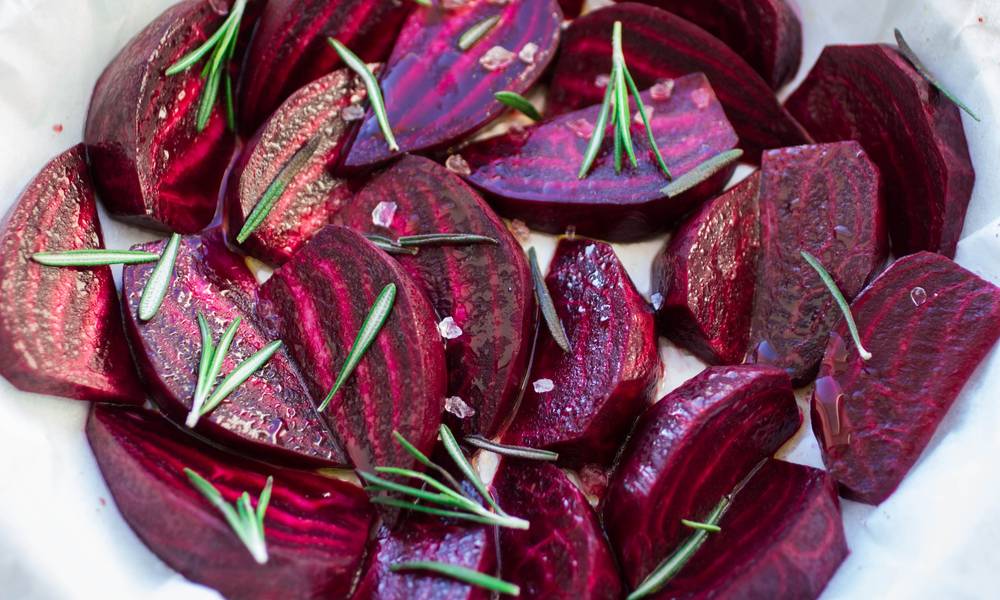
{"points": [[456, 86], [317, 303], [315, 527], [60, 330], [485, 288], [272, 412], [910, 130], [689, 450], [703, 279], [151, 165], [610, 374], [532, 174], [927, 322], [825, 200]]}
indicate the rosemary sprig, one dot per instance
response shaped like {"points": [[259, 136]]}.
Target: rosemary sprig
{"points": [[374, 92], [158, 284], [545, 303], [701, 173], [246, 522], [475, 33], [518, 103], [460, 573], [422, 459], [445, 239], [210, 365], [845, 308], [709, 527], [239, 375], [274, 191], [600, 127], [93, 257], [515, 451], [455, 452], [911, 56], [389, 245]]}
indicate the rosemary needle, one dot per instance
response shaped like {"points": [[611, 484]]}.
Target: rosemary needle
{"points": [[371, 84]]}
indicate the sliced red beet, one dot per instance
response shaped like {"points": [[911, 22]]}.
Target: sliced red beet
{"points": [[532, 174], [317, 303], [913, 133], [571, 8], [927, 322], [826, 200], [608, 377], [485, 288], [703, 279], [315, 527], [151, 165], [60, 332], [659, 45], [457, 86], [688, 451]]}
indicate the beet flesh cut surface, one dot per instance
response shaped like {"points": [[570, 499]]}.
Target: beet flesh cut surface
{"points": [[909, 129], [454, 86], [60, 329], [705, 276], [608, 378], [825, 200], [315, 528], [485, 288], [686, 452], [928, 323], [532, 173], [150, 164], [317, 303], [659, 46]]}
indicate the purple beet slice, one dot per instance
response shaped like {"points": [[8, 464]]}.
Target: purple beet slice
{"points": [[151, 165], [315, 527], [532, 174], [911, 131], [703, 279], [659, 45], [485, 288], [317, 303], [688, 451], [457, 85], [826, 200], [927, 322], [60, 332], [609, 376]]}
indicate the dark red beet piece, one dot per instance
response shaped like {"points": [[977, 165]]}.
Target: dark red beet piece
{"points": [[659, 45], [703, 279], [571, 8], [151, 165], [456, 87], [315, 527], [688, 451], [532, 174], [486, 289], [609, 376], [825, 200], [911, 131], [60, 332], [927, 322], [317, 302]]}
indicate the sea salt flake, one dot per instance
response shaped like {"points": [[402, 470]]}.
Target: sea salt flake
{"points": [[701, 97], [528, 53], [649, 116], [353, 112], [496, 58], [542, 386], [449, 329], [520, 230], [602, 80], [458, 407], [457, 165], [163, 112], [383, 213], [662, 90], [657, 300], [581, 127]]}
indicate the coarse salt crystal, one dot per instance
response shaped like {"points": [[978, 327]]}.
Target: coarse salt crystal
{"points": [[542, 386], [528, 53], [701, 97], [383, 213], [496, 58], [657, 300], [458, 407], [353, 112], [581, 127], [456, 164], [662, 89], [449, 329]]}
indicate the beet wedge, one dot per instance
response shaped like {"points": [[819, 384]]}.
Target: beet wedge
{"points": [[609, 376], [315, 528], [485, 288], [825, 200], [909, 129], [659, 45], [927, 322], [317, 303], [151, 165], [457, 85], [703, 279], [272, 413], [688, 451], [532, 174], [60, 332]]}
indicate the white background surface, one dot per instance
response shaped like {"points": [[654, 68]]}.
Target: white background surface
{"points": [[61, 536]]}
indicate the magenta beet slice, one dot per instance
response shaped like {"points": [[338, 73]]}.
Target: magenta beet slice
{"points": [[689, 450], [317, 303], [659, 45], [151, 165], [485, 288], [60, 332], [315, 527], [456, 85], [532, 174], [825, 200], [610, 374], [911, 131], [571, 8], [927, 322], [705, 276]]}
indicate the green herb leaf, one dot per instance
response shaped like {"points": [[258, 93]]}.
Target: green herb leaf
{"points": [[204, 367], [247, 524], [239, 375], [422, 459], [518, 103], [845, 308], [516, 451], [476, 32], [445, 239], [460, 573], [443, 499], [389, 245], [545, 303], [208, 377], [96, 257], [911, 56], [463, 464], [600, 127], [158, 284], [701, 173], [645, 122], [424, 2], [493, 519], [274, 191], [230, 104], [434, 483], [709, 527], [374, 92], [624, 116]]}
